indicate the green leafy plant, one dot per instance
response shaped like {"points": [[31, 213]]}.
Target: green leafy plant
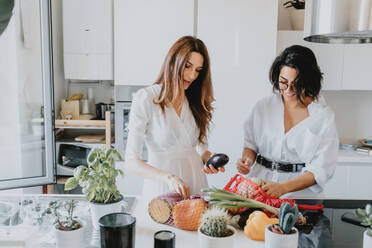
{"points": [[365, 215], [214, 222], [64, 222], [6, 12], [98, 179], [297, 4]]}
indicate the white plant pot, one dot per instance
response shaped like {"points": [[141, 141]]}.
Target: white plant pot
{"points": [[100, 209], [206, 241], [71, 239], [297, 18], [275, 240], [367, 240]]}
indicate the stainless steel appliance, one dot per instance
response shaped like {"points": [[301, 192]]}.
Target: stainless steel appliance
{"points": [[338, 21], [72, 154], [123, 101]]}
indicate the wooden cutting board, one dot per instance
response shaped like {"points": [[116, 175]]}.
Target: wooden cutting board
{"points": [[91, 138]]}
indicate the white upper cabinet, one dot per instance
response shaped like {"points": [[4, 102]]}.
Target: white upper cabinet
{"points": [[329, 57], [241, 39], [357, 74], [144, 32], [88, 39]]}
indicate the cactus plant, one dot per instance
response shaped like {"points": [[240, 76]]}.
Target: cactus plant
{"points": [[365, 215], [288, 216], [214, 222]]}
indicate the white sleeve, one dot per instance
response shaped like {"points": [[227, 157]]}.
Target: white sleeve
{"points": [[249, 141], [139, 117], [201, 148], [323, 163]]}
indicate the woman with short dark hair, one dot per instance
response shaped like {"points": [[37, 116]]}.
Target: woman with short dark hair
{"points": [[290, 138]]}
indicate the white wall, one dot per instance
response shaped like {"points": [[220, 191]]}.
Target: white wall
{"points": [[353, 111]]}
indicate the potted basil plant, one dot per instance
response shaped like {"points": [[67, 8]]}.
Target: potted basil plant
{"points": [[98, 181]]}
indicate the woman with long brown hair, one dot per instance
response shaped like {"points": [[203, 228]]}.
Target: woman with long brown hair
{"points": [[172, 117]]}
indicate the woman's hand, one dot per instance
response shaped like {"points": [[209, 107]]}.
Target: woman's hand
{"points": [[274, 189], [176, 183], [244, 165], [210, 169]]}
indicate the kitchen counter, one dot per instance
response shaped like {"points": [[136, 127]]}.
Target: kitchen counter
{"points": [[146, 227]]}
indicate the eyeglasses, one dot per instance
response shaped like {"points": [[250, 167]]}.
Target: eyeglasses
{"points": [[285, 86]]}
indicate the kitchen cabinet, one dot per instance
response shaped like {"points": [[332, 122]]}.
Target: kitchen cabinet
{"points": [[357, 73], [241, 39], [352, 177], [345, 67], [88, 39], [144, 32], [329, 57]]}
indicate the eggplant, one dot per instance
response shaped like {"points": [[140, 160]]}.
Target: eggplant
{"points": [[218, 160]]}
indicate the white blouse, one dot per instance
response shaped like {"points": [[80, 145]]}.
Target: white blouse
{"points": [[171, 141], [313, 141]]}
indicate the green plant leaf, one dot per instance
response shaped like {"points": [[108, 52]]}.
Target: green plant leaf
{"points": [[6, 12], [71, 183], [360, 213], [117, 155]]}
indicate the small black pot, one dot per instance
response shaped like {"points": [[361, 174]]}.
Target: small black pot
{"points": [[117, 230]]}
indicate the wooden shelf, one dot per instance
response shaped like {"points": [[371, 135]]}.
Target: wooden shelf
{"points": [[89, 124], [81, 124]]}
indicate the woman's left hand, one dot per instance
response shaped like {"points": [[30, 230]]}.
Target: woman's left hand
{"points": [[212, 170], [274, 189]]}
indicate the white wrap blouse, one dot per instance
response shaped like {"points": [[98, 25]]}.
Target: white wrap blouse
{"points": [[171, 141], [313, 141]]}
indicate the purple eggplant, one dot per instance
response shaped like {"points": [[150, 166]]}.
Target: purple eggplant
{"points": [[218, 160]]}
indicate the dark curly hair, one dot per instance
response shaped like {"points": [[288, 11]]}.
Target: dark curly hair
{"points": [[309, 78]]}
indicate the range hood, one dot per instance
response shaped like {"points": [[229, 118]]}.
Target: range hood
{"points": [[338, 21]]}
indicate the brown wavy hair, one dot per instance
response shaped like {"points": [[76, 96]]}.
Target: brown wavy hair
{"points": [[199, 94]]}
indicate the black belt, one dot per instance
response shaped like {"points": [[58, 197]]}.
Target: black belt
{"points": [[273, 165]]}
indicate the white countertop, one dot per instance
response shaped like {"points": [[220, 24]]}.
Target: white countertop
{"points": [[146, 228], [348, 156]]}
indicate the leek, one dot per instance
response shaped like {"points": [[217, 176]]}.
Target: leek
{"points": [[224, 199]]}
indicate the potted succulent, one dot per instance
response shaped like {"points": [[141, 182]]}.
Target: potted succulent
{"points": [[98, 181], [296, 13], [214, 230], [284, 234], [69, 231], [365, 215]]}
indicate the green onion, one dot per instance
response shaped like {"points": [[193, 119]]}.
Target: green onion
{"points": [[226, 199]]}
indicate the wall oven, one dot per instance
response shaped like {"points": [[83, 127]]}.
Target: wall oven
{"points": [[123, 102], [130, 184]]}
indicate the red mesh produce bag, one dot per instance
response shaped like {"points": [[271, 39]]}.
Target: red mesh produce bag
{"points": [[173, 209], [243, 186]]}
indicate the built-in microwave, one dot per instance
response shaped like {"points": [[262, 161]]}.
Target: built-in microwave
{"points": [[71, 154]]}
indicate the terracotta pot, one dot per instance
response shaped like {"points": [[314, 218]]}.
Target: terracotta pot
{"points": [[275, 240], [206, 241]]}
